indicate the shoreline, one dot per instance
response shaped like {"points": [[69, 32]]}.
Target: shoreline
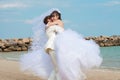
{"points": [[12, 72], [101, 67], [108, 62]]}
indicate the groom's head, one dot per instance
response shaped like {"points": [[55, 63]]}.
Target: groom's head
{"points": [[47, 19]]}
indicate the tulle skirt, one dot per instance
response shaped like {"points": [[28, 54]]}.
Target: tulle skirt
{"points": [[74, 55]]}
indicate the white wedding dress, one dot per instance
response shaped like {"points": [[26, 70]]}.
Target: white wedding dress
{"points": [[74, 55]]}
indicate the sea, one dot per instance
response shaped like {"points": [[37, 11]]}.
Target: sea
{"points": [[111, 57]]}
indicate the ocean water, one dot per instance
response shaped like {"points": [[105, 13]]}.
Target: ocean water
{"points": [[111, 56]]}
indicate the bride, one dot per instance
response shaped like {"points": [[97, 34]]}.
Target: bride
{"points": [[59, 54]]}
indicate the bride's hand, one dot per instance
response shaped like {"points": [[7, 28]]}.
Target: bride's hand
{"points": [[51, 24]]}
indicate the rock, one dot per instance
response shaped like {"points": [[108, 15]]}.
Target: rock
{"points": [[20, 43], [7, 45], [101, 44], [7, 50], [1, 50], [26, 40], [24, 48], [12, 48], [19, 49], [2, 45], [0, 40], [20, 39], [30, 39]]}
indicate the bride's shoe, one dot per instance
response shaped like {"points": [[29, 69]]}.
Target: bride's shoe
{"points": [[82, 76], [57, 77], [52, 76]]}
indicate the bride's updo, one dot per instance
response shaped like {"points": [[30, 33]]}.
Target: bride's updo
{"points": [[56, 13]]}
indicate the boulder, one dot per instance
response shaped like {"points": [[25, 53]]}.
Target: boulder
{"points": [[7, 50], [26, 40], [24, 48], [1, 50]]}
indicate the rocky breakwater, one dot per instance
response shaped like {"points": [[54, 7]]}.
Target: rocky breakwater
{"points": [[105, 41], [20, 44]]}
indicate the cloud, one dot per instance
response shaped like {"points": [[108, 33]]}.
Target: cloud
{"points": [[48, 3], [12, 5], [10, 20], [55, 3], [67, 21], [109, 3], [36, 3], [112, 3], [30, 21]]}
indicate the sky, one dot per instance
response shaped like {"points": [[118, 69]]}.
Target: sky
{"points": [[87, 17]]}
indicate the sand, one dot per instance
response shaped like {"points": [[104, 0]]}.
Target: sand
{"points": [[10, 70]]}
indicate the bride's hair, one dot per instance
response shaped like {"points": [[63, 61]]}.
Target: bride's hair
{"points": [[56, 13]]}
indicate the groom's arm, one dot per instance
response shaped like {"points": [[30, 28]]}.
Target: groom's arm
{"points": [[58, 22]]}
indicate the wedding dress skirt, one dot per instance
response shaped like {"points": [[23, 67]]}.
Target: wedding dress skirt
{"points": [[74, 55]]}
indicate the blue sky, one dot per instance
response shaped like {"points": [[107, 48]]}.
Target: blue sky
{"points": [[88, 17]]}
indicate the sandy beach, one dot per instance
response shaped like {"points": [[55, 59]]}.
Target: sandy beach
{"points": [[10, 70]]}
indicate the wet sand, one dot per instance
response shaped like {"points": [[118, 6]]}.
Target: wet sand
{"points": [[10, 70]]}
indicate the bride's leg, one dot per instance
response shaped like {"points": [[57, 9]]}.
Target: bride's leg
{"points": [[82, 75], [49, 48], [52, 76], [53, 58]]}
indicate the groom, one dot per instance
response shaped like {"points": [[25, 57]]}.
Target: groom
{"points": [[51, 31]]}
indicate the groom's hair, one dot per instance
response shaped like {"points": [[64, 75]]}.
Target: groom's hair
{"points": [[56, 13], [46, 19]]}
